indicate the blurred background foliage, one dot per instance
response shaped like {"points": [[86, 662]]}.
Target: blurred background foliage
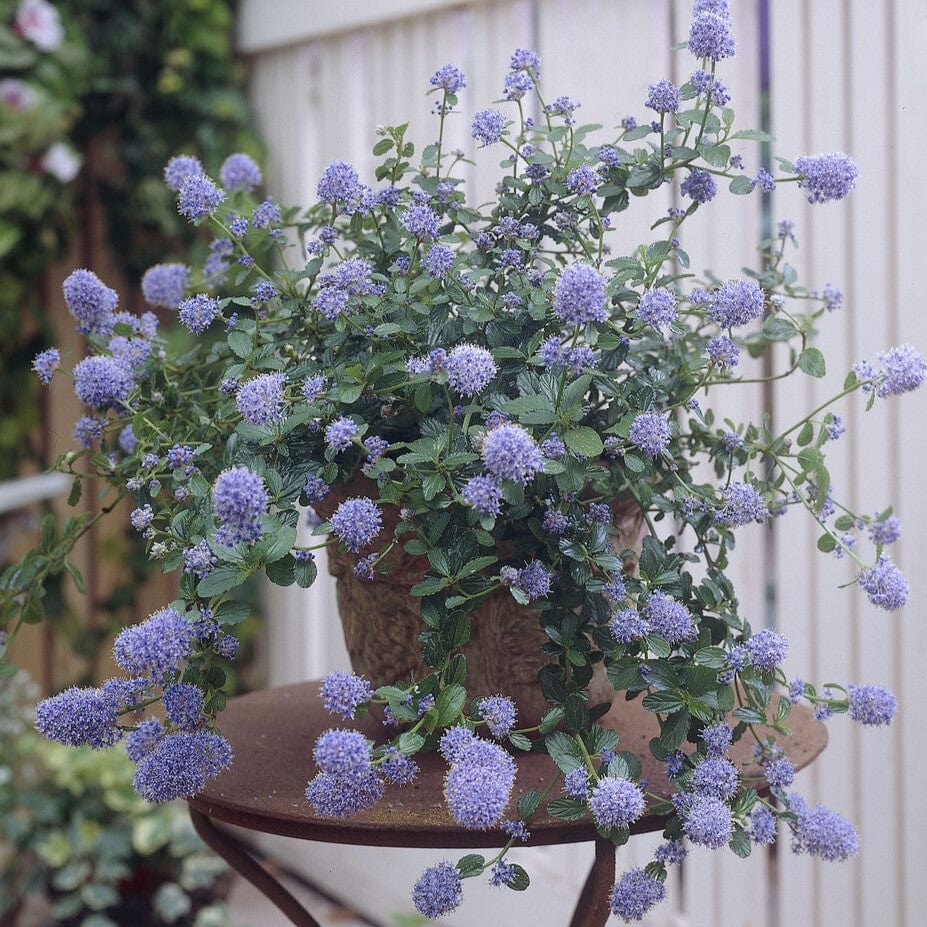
{"points": [[85, 130], [75, 835]]}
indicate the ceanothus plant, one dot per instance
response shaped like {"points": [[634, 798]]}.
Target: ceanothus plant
{"points": [[499, 378]]}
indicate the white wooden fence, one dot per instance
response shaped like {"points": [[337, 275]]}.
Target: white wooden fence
{"points": [[844, 75]]}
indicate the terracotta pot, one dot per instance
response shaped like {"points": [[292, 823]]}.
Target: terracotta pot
{"points": [[382, 621]]}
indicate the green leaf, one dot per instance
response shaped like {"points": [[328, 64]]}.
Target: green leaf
{"points": [[584, 440], [223, 577], [520, 742], [75, 493], [806, 435], [382, 146], [673, 730], [567, 809], [411, 742], [811, 361], [750, 715], [430, 585], [240, 343], [528, 804], [432, 484], [232, 612], [520, 880], [450, 701], [306, 572], [741, 185], [826, 543], [740, 842], [282, 572], [713, 657], [663, 702], [754, 135], [471, 865], [564, 751]]}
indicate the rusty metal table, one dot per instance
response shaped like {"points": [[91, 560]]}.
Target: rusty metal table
{"points": [[273, 733]]}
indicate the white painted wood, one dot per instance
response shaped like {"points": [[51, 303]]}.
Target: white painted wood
{"points": [[847, 74], [17, 494]]}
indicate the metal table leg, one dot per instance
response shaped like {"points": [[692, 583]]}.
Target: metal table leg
{"points": [[592, 909], [232, 851]]}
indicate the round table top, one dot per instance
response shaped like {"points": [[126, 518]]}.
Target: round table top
{"points": [[273, 733]]}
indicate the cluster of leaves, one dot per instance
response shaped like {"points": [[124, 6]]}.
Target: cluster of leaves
{"points": [[80, 837]]}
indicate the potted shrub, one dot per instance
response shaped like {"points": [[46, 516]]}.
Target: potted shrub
{"points": [[477, 405]]}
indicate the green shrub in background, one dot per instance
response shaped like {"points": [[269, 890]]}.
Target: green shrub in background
{"points": [[75, 832], [95, 95]]}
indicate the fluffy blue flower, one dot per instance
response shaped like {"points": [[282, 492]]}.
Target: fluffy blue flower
{"points": [[338, 434], [156, 646], [668, 618], [420, 221], [583, 179], [717, 739], [634, 894], [510, 453], [826, 176], [576, 783], [741, 505], [736, 302], [767, 649], [616, 802], [780, 773], [314, 387], [710, 36], [260, 399], [164, 285], [199, 560], [342, 753], [487, 126], [102, 382], [356, 522], [469, 369], [448, 78], [339, 183], [343, 796], [657, 307], [454, 742], [499, 713], [723, 351], [483, 494], [46, 363], [533, 580], [516, 85], [90, 301], [478, 785], [700, 186], [903, 370], [342, 693], [628, 626], [707, 821], [872, 704], [198, 312], [579, 295], [663, 97], [199, 197], [822, 832], [650, 432], [78, 717], [180, 764], [397, 767], [178, 169], [762, 827], [438, 891], [141, 741], [240, 172], [183, 705], [715, 776], [239, 498], [439, 260], [524, 59]]}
